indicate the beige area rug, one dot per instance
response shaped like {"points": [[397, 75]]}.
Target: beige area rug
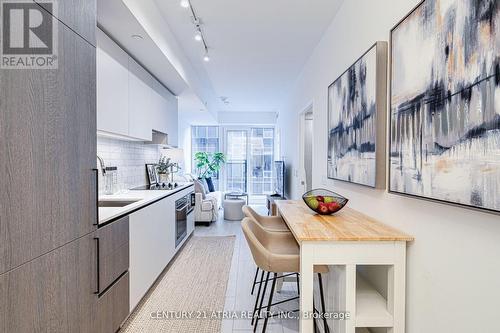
{"points": [[194, 284]]}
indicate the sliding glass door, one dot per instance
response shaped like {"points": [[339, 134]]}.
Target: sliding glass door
{"points": [[250, 156], [261, 161], [236, 165]]}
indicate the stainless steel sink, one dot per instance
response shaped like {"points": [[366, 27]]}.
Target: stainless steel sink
{"points": [[116, 203]]}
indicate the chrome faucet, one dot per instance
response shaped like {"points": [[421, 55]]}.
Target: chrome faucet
{"points": [[101, 162]]}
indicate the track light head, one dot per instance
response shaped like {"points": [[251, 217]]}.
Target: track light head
{"points": [[198, 36]]}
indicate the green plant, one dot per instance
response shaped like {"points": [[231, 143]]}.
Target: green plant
{"points": [[208, 164], [164, 165]]}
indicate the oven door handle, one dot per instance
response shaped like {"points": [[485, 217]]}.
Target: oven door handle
{"points": [[183, 208]]}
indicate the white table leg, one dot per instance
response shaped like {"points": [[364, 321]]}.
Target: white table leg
{"points": [[350, 294], [306, 286], [396, 289]]}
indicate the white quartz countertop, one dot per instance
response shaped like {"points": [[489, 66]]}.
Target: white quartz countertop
{"points": [[143, 197]]}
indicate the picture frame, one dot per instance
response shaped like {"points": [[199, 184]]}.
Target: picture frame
{"points": [[341, 127], [456, 179], [152, 174]]}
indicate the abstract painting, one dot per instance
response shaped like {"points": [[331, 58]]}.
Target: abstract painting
{"points": [[356, 108], [445, 103]]}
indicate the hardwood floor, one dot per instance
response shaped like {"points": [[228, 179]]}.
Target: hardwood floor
{"points": [[238, 298]]}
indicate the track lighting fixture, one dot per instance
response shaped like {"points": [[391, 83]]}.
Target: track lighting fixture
{"points": [[198, 36]]}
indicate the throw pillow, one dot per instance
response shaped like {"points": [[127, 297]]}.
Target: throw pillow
{"points": [[199, 188]]}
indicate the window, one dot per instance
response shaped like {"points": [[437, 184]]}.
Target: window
{"points": [[204, 139], [261, 160]]}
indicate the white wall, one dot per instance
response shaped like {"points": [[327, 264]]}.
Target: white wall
{"points": [[247, 118], [129, 157], [453, 282]]}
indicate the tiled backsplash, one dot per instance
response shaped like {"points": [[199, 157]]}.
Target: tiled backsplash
{"points": [[130, 159]]}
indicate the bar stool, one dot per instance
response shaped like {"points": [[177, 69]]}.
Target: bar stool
{"points": [[275, 252], [271, 223]]}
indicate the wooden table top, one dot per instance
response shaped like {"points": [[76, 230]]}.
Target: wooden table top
{"points": [[345, 225]]}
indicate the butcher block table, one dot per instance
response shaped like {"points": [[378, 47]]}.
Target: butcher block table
{"points": [[348, 239]]}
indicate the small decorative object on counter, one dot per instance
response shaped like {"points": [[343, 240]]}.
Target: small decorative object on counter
{"points": [[166, 168], [110, 180], [323, 201]]}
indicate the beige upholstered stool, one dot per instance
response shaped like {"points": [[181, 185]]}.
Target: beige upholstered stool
{"points": [[271, 223], [275, 252]]}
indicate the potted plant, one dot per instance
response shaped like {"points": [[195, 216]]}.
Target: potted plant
{"points": [[207, 165], [164, 168]]}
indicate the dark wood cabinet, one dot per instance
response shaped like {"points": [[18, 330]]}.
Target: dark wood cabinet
{"points": [[79, 15], [48, 151], [113, 244], [113, 306], [53, 293]]}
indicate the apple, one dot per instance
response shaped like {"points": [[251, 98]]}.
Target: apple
{"points": [[312, 202], [323, 208], [320, 198], [333, 206], [328, 199]]}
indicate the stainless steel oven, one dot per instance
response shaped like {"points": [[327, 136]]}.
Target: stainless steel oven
{"points": [[183, 207]]}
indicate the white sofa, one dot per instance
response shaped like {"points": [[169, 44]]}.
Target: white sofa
{"points": [[207, 204], [217, 196], [205, 210]]}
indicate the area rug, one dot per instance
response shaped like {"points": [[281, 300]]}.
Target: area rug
{"points": [[191, 293]]}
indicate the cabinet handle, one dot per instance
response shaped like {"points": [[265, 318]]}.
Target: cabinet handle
{"points": [[97, 270], [96, 172]]}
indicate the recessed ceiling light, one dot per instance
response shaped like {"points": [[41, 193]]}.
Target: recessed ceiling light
{"points": [[206, 58], [185, 3], [137, 37]]}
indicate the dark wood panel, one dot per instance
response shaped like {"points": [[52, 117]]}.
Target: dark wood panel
{"points": [[113, 251], [113, 306], [53, 293], [48, 151], [79, 15]]}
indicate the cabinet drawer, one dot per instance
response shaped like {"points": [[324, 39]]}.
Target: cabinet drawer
{"points": [[113, 251], [113, 306], [52, 293]]}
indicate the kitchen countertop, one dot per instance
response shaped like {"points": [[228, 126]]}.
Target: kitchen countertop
{"points": [[144, 198]]}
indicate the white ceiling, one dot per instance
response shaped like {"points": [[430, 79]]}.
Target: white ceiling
{"points": [[257, 47]]}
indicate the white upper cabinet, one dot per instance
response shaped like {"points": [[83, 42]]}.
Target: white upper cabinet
{"points": [[131, 102], [140, 104], [112, 86], [165, 112]]}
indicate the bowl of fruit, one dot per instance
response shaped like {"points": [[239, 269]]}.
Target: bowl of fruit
{"points": [[324, 202]]}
